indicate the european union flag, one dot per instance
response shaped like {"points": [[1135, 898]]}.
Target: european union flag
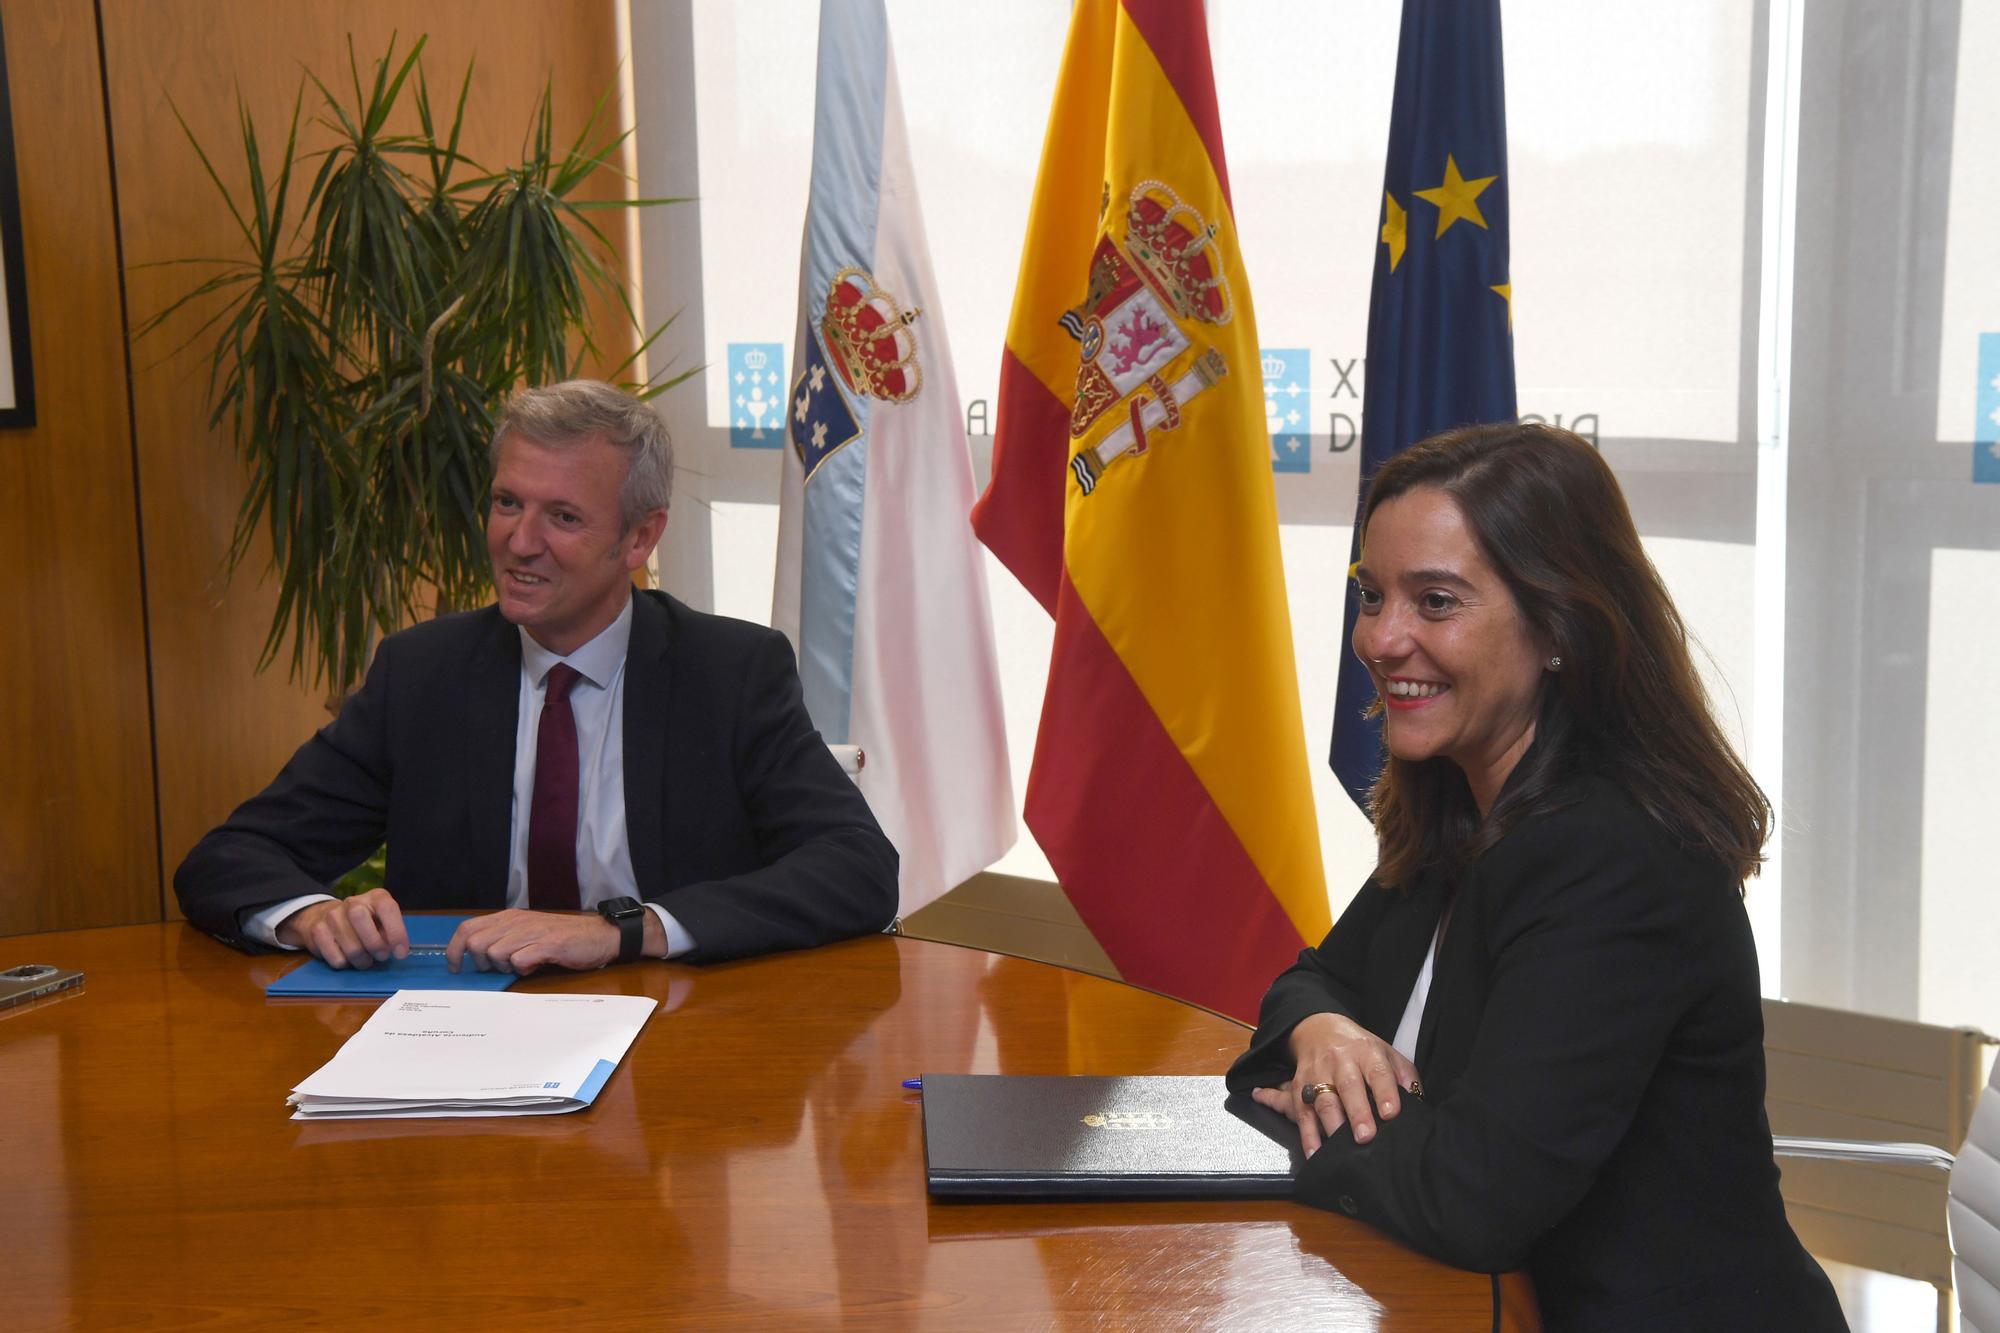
{"points": [[1440, 317]]}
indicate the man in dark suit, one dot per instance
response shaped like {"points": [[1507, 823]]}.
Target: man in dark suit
{"points": [[578, 745]]}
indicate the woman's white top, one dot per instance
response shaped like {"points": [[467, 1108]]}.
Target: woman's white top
{"points": [[1413, 1012]]}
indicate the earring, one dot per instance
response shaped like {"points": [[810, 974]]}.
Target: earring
{"points": [[1555, 664]]}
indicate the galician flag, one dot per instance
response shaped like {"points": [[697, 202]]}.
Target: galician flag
{"points": [[1132, 495], [880, 584]]}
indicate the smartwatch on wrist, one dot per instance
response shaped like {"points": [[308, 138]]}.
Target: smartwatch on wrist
{"points": [[629, 915]]}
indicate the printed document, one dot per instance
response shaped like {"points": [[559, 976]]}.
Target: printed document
{"points": [[474, 1053]]}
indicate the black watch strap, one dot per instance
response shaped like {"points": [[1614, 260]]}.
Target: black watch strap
{"points": [[629, 915]]}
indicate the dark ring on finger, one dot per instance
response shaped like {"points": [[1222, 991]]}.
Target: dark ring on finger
{"points": [[1313, 1091]]}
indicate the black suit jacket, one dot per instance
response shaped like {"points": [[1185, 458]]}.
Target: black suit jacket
{"points": [[1593, 1069], [740, 822]]}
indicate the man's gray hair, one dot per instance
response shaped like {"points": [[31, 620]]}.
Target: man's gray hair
{"points": [[559, 414]]}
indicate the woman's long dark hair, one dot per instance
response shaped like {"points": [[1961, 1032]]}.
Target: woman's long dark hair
{"points": [[1627, 704]]}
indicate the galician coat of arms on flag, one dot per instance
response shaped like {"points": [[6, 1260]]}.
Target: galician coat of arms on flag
{"points": [[864, 342]]}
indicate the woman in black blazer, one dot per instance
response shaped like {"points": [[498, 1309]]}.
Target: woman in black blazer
{"points": [[1535, 1036]]}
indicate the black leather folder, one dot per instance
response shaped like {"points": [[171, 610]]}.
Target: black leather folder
{"points": [[1002, 1136]]}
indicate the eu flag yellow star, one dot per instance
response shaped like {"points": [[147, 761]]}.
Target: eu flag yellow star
{"points": [[1506, 290], [1457, 197], [1395, 229]]}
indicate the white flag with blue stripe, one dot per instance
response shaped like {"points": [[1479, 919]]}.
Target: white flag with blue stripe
{"points": [[880, 585]]}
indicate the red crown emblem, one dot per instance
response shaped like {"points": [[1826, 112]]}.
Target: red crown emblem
{"points": [[1174, 250], [868, 338]]}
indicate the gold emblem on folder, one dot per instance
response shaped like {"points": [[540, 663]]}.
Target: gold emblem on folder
{"points": [[1129, 1120]]}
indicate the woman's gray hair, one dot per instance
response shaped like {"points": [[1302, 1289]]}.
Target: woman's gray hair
{"points": [[556, 415]]}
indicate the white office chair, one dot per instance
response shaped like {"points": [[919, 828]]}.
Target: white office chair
{"points": [[1975, 1216], [1972, 1206]]}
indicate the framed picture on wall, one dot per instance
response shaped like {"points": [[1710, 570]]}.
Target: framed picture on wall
{"points": [[17, 367]]}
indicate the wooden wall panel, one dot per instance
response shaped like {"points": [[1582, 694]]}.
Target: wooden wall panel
{"points": [[224, 729], [77, 836]]}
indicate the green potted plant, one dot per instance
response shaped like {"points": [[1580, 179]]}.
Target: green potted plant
{"points": [[364, 343]]}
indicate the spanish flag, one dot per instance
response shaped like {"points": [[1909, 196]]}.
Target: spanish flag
{"points": [[1131, 493]]}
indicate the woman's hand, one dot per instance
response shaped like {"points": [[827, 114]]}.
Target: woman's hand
{"points": [[1355, 1065]]}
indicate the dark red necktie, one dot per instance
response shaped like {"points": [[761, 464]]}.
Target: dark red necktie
{"points": [[552, 817]]}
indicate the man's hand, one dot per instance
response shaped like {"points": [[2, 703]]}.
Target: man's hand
{"points": [[349, 932], [521, 941], [1356, 1065]]}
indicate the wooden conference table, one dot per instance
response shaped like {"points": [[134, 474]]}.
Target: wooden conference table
{"points": [[755, 1161]]}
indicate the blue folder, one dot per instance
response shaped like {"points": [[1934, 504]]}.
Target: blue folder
{"points": [[424, 969]]}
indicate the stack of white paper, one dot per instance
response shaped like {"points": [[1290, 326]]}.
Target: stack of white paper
{"points": [[453, 1053]]}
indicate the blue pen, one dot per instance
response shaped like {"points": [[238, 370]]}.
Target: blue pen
{"points": [[914, 1084]]}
